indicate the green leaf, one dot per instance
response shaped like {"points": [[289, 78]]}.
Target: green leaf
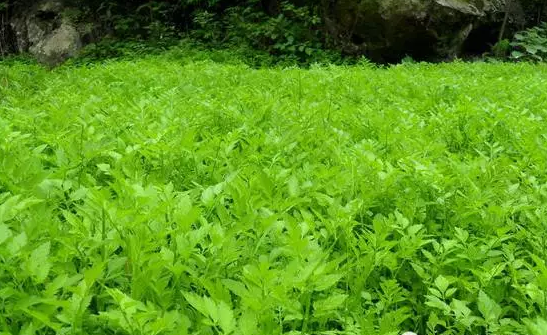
{"points": [[331, 303], [516, 54], [325, 282], [294, 190], [436, 293], [536, 327], [43, 318], [489, 309], [236, 287], [226, 318], [128, 305], [442, 284], [450, 292], [210, 193], [38, 264], [462, 313], [197, 302], [531, 49], [91, 275], [390, 322], [420, 271], [104, 167], [13, 206], [437, 303], [248, 324], [220, 314], [5, 233]]}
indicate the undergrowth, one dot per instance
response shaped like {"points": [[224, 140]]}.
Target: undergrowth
{"points": [[194, 50], [174, 196]]}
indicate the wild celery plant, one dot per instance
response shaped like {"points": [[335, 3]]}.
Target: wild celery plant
{"points": [[169, 196]]}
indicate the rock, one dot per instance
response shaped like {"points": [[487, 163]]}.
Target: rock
{"points": [[389, 30], [464, 7], [61, 44], [45, 33]]}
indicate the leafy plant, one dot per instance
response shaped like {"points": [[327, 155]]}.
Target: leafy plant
{"points": [[172, 194], [531, 44], [502, 49]]}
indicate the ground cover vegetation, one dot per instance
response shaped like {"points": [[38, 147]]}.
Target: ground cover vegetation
{"points": [[170, 195]]}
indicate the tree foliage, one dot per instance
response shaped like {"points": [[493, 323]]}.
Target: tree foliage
{"points": [[297, 29]]}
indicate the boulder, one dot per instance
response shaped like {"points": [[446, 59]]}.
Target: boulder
{"points": [[43, 31], [62, 43], [388, 30]]}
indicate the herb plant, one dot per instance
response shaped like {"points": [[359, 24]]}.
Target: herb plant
{"points": [[172, 196]]}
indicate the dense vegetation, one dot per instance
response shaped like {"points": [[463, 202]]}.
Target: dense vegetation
{"points": [[172, 196], [296, 29], [283, 28]]}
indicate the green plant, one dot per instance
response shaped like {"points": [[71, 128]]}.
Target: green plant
{"points": [[531, 44], [208, 27], [172, 194], [291, 31], [502, 49]]}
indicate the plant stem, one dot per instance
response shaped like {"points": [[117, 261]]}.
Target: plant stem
{"points": [[306, 315], [505, 19]]}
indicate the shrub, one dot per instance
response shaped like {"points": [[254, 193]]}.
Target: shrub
{"points": [[531, 44]]}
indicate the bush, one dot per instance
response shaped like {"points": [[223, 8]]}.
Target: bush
{"points": [[531, 44], [501, 49]]}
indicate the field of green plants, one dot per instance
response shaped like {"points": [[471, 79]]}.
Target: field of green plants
{"points": [[171, 196]]}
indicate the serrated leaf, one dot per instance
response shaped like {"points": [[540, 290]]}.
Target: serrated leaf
{"points": [[330, 303], [43, 318], [201, 304], [126, 303], [211, 309], [436, 293], [248, 324], [13, 206], [435, 302], [226, 318], [462, 312], [236, 287], [489, 309], [442, 284], [38, 264], [220, 314], [325, 282], [390, 322]]}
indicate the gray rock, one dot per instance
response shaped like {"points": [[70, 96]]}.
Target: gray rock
{"points": [[41, 29], [61, 44], [464, 7], [390, 29]]}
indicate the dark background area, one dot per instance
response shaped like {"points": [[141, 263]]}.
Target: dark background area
{"points": [[296, 29]]}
